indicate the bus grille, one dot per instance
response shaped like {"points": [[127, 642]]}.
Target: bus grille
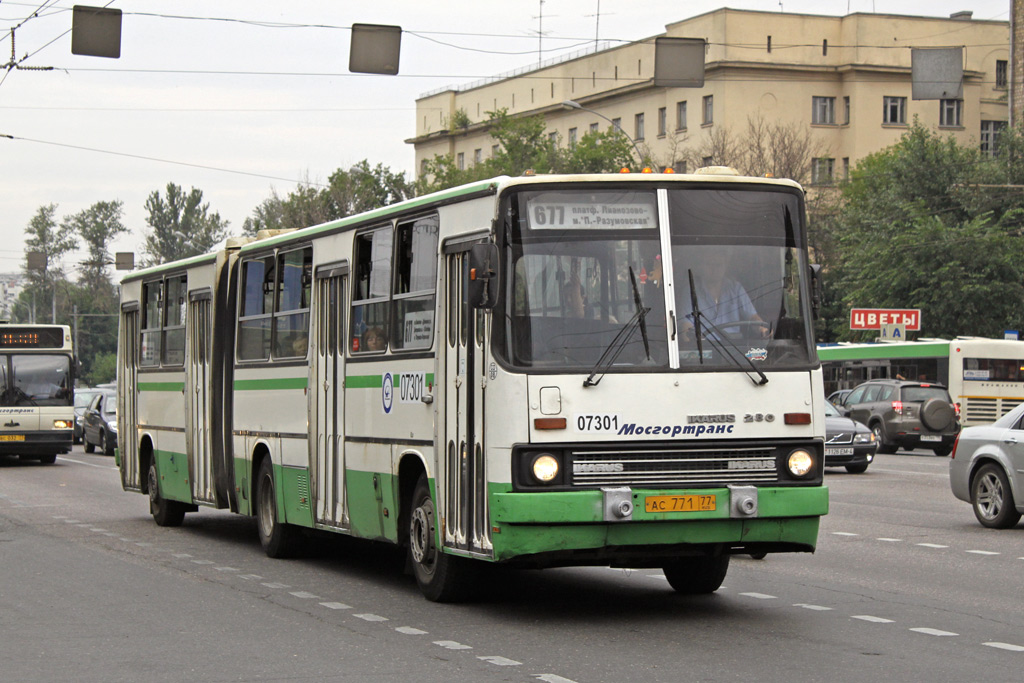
{"points": [[673, 467]]}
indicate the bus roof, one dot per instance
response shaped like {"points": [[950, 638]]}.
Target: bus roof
{"points": [[874, 350]]}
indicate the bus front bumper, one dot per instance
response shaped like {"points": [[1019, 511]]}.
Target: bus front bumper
{"points": [[36, 443], [573, 527]]}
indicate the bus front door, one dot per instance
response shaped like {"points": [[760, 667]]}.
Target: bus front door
{"points": [[464, 490], [327, 431]]}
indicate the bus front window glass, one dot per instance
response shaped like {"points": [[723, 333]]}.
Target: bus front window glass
{"points": [[151, 294], [372, 289], [415, 280], [743, 250], [574, 258], [41, 380]]}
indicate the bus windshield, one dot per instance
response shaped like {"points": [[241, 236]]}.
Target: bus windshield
{"points": [[573, 257], [36, 380]]}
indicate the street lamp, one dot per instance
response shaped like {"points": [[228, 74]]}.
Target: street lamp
{"points": [[570, 104]]}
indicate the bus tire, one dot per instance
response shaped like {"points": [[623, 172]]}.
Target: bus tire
{"points": [[277, 538], [697, 575], [441, 577], [48, 459], [165, 512]]}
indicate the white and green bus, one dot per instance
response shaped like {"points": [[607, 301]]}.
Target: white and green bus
{"points": [[985, 377], [514, 371], [37, 413]]}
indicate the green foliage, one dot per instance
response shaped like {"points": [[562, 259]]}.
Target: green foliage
{"points": [[524, 144], [98, 226], [358, 189], [916, 231], [103, 370], [460, 119], [180, 225]]}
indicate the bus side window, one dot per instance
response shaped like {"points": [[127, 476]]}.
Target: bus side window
{"points": [[415, 283], [173, 345], [256, 309], [151, 296], [372, 284], [291, 316]]}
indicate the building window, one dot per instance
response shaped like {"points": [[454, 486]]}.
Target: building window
{"points": [[1001, 80], [478, 156], [679, 167], [709, 110], [495, 150], [423, 167], [595, 127], [824, 110], [553, 137], [662, 121], [894, 110], [638, 127], [681, 115], [822, 169], [707, 161], [617, 123], [572, 137], [846, 110], [460, 161], [950, 112], [990, 131], [846, 168]]}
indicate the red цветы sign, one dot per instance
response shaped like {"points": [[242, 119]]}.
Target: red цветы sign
{"points": [[874, 318]]}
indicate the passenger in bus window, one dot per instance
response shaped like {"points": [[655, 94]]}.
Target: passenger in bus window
{"points": [[374, 339]]}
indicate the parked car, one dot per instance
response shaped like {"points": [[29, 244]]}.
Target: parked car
{"points": [[100, 423], [988, 466], [905, 414], [837, 398], [83, 397], [848, 443]]}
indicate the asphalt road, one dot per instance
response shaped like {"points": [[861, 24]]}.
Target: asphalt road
{"points": [[905, 586]]}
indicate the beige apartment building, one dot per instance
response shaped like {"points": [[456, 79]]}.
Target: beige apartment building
{"points": [[846, 80]]}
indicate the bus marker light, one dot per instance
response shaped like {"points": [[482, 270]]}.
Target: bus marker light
{"points": [[797, 418], [549, 423]]}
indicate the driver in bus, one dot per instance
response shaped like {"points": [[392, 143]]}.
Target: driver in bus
{"points": [[720, 299]]}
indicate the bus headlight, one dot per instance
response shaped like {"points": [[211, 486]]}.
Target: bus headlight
{"points": [[799, 462], [63, 424], [545, 468]]}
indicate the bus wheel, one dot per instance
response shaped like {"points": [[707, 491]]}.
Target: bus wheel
{"points": [[277, 538], [441, 577], [165, 512], [48, 459], [697, 575]]}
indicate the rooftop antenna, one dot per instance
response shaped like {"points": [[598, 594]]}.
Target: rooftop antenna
{"points": [[597, 23], [540, 32]]}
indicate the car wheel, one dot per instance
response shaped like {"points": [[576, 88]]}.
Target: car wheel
{"points": [[89, 446], [992, 499], [883, 445], [108, 444], [943, 451], [857, 468]]}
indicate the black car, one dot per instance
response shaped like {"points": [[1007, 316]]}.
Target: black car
{"points": [[848, 443], [83, 398], [905, 414], [100, 423]]}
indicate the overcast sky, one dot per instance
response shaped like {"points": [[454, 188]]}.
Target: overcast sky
{"points": [[259, 92]]}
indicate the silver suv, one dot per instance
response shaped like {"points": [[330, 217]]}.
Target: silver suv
{"points": [[906, 414]]}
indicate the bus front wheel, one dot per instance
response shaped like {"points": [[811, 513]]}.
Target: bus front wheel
{"points": [[697, 575], [277, 538], [165, 512], [440, 576]]}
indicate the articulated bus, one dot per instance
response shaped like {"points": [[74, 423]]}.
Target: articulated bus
{"points": [[37, 413], [515, 371], [985, 377]]}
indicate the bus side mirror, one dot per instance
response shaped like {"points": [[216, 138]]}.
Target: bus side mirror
{"points": [[815, 289], [483, 275]]}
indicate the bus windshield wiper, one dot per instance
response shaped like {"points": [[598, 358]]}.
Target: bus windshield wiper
{"points": [[719, 339], [622, 338]]}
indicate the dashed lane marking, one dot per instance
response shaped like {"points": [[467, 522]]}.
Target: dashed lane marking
{"points": [[873, 620], [335, 605], [759, 596], [933, 631], [982, 552], [271, 584], [816, 608], [203, 562], [452, 645], [1006, 646], [499, 661], [410, 631], [370, 617], [932, 545], [890, 540], [843, 533], [304, 595], [553, 678]]}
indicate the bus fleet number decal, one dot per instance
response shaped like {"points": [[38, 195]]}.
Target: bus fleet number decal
{"points": [[597, 422]]}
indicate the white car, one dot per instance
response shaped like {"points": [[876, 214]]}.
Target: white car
{"points": [[987, 470]]}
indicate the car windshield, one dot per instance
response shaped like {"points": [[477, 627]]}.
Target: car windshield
{"points": [[923, 393], [36, 380], [83, 398], [830, 410], [110, 405], [578, 261]]}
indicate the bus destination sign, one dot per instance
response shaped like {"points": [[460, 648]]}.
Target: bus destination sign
{"points": [[31, 337]]}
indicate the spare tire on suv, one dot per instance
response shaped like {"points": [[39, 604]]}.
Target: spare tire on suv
{"points": [[936, 414]]}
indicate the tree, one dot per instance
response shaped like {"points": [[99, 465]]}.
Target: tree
{"points": [[97, 225], [181, 225], [45, 237], [915, 235]]}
